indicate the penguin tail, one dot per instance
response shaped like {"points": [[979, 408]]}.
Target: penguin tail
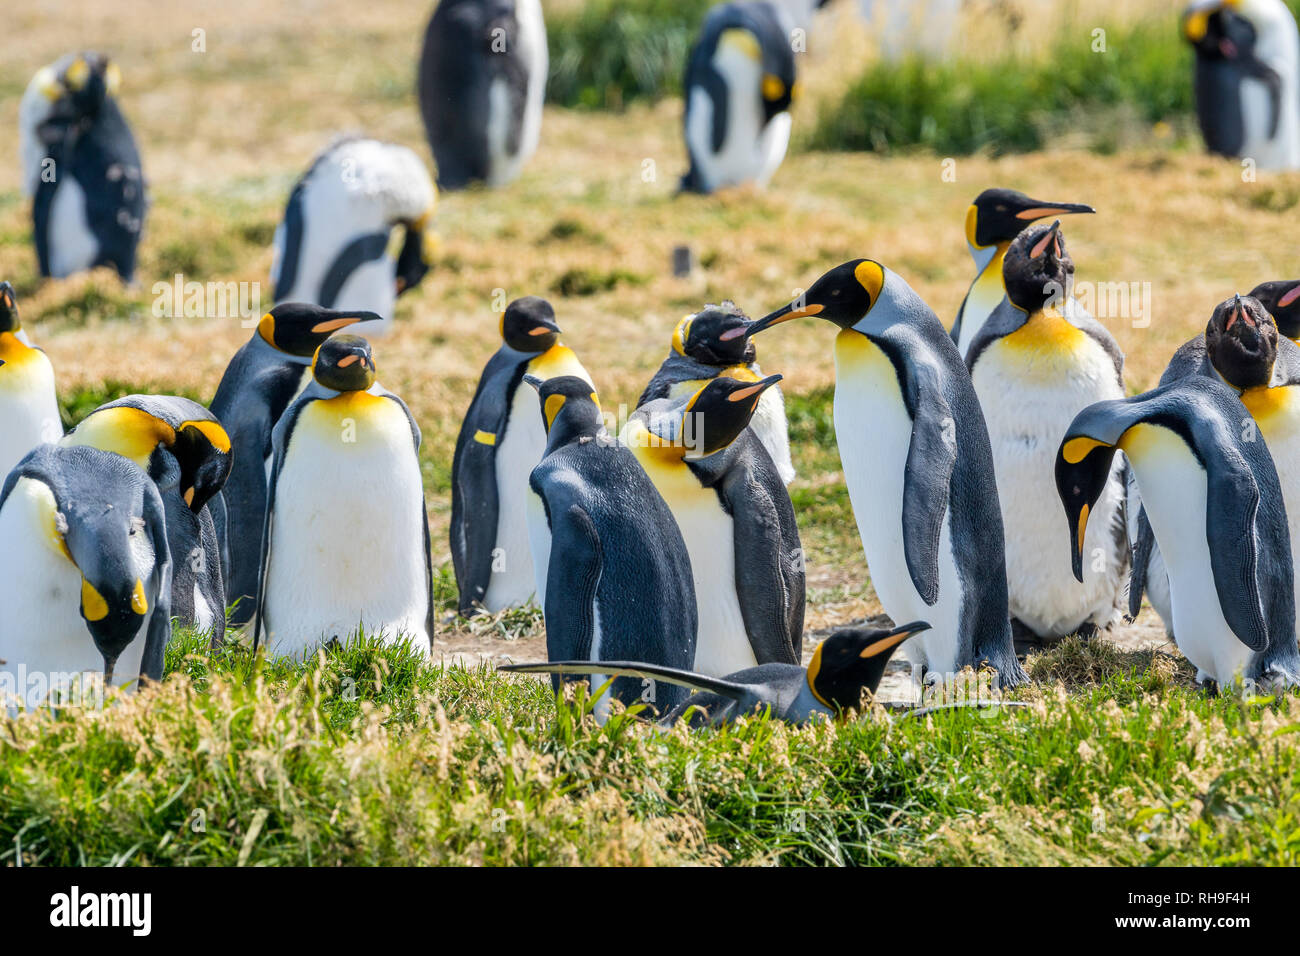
{"points": [[669, 675]]}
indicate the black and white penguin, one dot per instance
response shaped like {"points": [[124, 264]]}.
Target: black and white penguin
{"points": [[346, 540], [919, 469], [29, 407], [613, 572], [740, 82], [1247, 71], [995, 218], [713, 343], [85, 574], [1281, 298], [81, 167], [1214, 501], [500, 443], [265, 375], [1034, 369], [184, 449], [481, 84], [844, 665], [332, 248]]}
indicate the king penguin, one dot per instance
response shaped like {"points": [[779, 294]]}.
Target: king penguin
{"points": [[613, 573], [740, 82], [1034, 368], [1281, 298], [712, 343], [482, 82], [995, 218], [81, 167], [85, 574], [29, 408], [1214, 502], [184, 449], [919, 469], [265, 375], [500, 443], [331, 249], [736, 518], [346, 539]]}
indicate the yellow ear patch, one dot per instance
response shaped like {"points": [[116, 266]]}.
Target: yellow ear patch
{"points": [[139, 603], [871, 276], [1197, 25], [680, 333], [48, 83], [1077, 449], [972, 221], [773, 87], [213, 432], [93, 606], [814, 668], [112, 79], [266, 329], [552, 408], [742, 41], [77, 73]]}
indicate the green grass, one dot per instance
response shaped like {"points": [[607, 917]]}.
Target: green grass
{"points": [[76, 404]]}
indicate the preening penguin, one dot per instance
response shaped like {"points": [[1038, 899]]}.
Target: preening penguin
{"points": [[81, 167], [740, 82], [346, 539], [264, 376], [500, 443], [612, 569], [482, 83], [332, 247], [918, 466], [736, 518], [29, 408], [844, 665], [712, 343], [1281, 298], [995, 218], [1212, 495], [85, 574], [1034, 368]]}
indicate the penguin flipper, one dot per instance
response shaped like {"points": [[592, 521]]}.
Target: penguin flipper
{"points": [[363, 249], [571, 581], [669, 675], [928, 476], [159, 632], [283, 432], [1137, 582], [716, 88], [424, 513], [760, 577], [1230, 528]]}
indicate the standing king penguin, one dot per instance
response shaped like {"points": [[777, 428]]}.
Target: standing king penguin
{"points": [[1034, 369], [346, 541], [713, 343], [265, 375], [29, 408], [736, 518], [81, 167], [918, 466], [740, 82], [1281, 298], [1215, 505], [482, 82], [331, 249], [613, 573], [500, 443]]}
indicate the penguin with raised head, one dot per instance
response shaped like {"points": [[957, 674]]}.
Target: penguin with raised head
{"points": [[844, 665], [500, 443], [184, 449], [1034, 368], [29, 408], [331, 249], [81, 167], [1281, 298], [613, 573], [736, 518], [1216, 507], [740, 82], [919, 468], [713, 343], [346, 539], [265, 375], [482, 82], [995, 218], [85, 573]]}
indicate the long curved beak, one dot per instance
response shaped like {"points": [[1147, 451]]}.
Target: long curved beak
{"points": [[891, 639], [1076, 553], [758, 388], [1041, 210], [784, 314], [1048, 242]]}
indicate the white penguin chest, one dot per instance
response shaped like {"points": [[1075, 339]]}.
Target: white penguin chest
{"points": [[29, 411], [519, 450], [986, 294]]}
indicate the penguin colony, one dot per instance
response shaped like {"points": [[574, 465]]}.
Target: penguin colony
{"points": [[1005, 489]]}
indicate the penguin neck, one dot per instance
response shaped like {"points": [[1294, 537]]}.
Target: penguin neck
{"points": [[814, 668], [987, 256], [575, 426]]}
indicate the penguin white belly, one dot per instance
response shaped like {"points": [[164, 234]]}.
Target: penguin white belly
{"points": [[1268, 152], [772, 146], [986, 294], [203, 616], [769, 424], [370, 288], [741, 158], [29, 410], [722, 644], [519, 449], [347, 537], [72, 246]]}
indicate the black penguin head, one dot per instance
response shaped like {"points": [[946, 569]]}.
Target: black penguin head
{"points": [[299, 328], [1082, 473], [344, 363], [843, 296], [528, 325], [89, 80], [716, 414], [9, 321], [778, 86], [853, 660], [1217, 32], [717, 335], [999, 215], [1241, 340], [1282, 300], [568, 403], [1037, 270]]}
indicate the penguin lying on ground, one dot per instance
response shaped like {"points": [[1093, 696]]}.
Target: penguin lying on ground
{"points": [[500, 443], [1281, 298], [1215, 505], [346, 539], [847, 663], [715, 342], [81, 167], [918, 466], [29, 408], [613, 573]]}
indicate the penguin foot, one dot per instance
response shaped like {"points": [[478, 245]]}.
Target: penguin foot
{"points": [[1087, 631]]}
